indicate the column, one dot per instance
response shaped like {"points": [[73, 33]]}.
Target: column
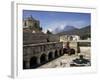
{"points": [[78, 47], [27, 64], [61, 51], [58, 52], [53, 55], [38, 60], [46, 58]]}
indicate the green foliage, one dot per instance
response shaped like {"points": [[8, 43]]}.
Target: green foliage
{"points": [[48, 32], [40, 29]]}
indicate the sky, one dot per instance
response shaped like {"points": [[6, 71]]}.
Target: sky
{"points": [[50, 20]]}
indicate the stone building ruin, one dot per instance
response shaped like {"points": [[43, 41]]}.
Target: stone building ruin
{"points": [[38, 47]]}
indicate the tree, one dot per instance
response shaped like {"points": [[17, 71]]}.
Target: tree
{"points": [[48, 32], [40, 28]]}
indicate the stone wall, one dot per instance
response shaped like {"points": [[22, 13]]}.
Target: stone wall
{"points": [[35, 55], [31, 38]]}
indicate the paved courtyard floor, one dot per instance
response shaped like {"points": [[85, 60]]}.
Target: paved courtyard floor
{"points": [[65, 60]]}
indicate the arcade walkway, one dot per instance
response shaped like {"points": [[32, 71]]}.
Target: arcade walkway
{"points": [[65, 60]]}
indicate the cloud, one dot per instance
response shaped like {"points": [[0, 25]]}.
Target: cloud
{"points": [[55, 25], [59, 25], [45, 30]]}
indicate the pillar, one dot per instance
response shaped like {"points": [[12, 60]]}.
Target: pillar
{"points": [[38, 60], [27, 64], [78, 47], [58, 52], [62, 51], [53, 55], [46, 58]]}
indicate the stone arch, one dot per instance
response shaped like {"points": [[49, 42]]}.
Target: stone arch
{"points": [[33, 62], [50, 56], [56, 53], [43, 58]]}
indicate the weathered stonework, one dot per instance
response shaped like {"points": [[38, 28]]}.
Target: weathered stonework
{"points": [[39, 48], [41, 53]]}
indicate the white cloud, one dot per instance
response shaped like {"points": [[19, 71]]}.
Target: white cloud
{"points": [[45, 30], [61, 24], [50, 29], [56, 24]]}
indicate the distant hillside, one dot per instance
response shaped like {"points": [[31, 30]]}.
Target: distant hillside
{"points": [[83, 32], [66, 28]]}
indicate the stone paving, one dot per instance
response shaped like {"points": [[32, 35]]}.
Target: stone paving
{"points": [[65, 60]]}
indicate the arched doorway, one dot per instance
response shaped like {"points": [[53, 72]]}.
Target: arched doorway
{"points": [[43, 59], [50, 56], [56, 54], [33, 62]]}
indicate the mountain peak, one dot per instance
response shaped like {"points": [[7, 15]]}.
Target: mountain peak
{"points": [[81, 32], [68, 28], [65, 28]]}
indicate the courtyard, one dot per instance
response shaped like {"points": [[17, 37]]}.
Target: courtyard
{"points": [[65, 60]]}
